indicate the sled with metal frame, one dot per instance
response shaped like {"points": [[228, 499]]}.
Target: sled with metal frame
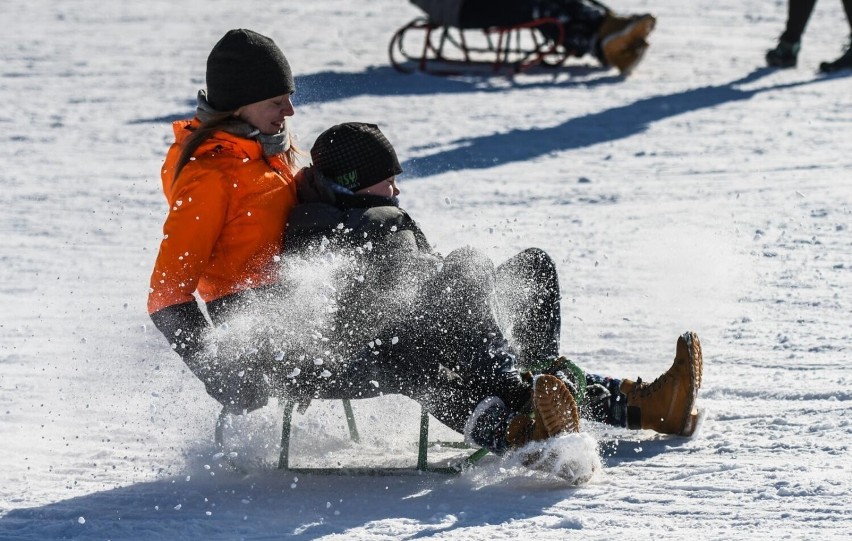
{"points": [[448, 50], [422, 447]]}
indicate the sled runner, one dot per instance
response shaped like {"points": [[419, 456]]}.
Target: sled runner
{"points": [[439, 49], [423, 445]]}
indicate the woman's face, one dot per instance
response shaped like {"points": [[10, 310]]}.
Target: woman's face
{"points": [[267, 115], [385, 188]]}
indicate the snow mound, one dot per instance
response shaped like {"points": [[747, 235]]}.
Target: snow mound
{"points": [[571, 459]]}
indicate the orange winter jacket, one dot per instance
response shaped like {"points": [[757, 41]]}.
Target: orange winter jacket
{"points": [[227, 212]]}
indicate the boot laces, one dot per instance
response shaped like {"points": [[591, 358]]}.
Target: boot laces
{"points": [[646, 389]]}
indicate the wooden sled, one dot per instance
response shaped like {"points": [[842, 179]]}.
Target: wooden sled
{"points": [[424, 46]]}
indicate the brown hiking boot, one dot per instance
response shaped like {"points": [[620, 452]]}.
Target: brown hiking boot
{"points": [[668, 404], [627, 60], [554, 412], [623, 40], [554, 405]]}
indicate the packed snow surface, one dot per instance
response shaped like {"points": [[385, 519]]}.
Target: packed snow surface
{"points": [[704, 193]]}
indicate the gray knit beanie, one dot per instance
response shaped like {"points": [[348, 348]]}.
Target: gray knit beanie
{"points": [[245, 67]]}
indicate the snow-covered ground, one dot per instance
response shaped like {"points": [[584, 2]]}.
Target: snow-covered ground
{"points": [[703, 193]]}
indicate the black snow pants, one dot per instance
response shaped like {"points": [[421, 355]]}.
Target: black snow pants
{"points": [[528, 306], [580, 19], [798, 13], [448, 354]]}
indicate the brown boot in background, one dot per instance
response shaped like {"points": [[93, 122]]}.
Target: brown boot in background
{"points": [[668, 404], [627, 59], [623, 40]]}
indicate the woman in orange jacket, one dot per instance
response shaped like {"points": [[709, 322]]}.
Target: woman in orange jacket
{"points": [[229, 179]]}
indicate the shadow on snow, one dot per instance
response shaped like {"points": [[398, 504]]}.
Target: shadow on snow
{"points": [[330, 86], [602, 127], [521, 144], [275, 505]]}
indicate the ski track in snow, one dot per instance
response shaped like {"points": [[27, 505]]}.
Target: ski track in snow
{"points": [[704, 193]]}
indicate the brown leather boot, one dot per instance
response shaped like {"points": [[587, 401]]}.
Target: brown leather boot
{"points": [[668, 404], [554, 412], [627, 59], [623, 40], [554, 405]]}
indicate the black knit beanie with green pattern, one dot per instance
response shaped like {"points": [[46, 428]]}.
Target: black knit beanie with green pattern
{"points": [[355, 155]]}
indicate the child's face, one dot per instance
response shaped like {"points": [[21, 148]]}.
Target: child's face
{"points": [[385, 188], [268, 115]]}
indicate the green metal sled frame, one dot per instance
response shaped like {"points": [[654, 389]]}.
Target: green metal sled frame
{"points": [[422, 447]]}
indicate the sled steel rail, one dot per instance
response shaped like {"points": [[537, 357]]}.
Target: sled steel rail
{"points": [[423, 444], [445, 49]]}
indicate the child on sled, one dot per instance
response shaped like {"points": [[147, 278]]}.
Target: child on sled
{"points": [[412, 322]]}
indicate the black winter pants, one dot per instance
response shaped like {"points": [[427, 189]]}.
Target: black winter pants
{"points": [[580, 19], [528, 306], [798, 13], [448, 354]]}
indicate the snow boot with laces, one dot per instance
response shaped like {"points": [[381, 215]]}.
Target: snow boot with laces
{"points": [[554, 412], [551, 411], [667, 405]]}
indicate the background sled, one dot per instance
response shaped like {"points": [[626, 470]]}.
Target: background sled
{"points": [[452, 466], [422, 45]]}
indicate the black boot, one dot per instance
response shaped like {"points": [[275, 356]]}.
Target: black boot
{"points": [[842, 63], [784, 55]]}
